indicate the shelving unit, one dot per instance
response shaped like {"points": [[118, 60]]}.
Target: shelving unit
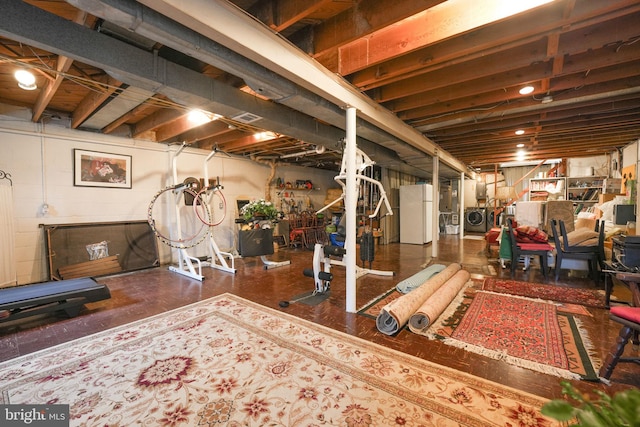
{"points": [[539, 188], [585, 191], [292, 197]]}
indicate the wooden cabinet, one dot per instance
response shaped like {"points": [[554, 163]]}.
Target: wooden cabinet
{"points": [[543, 189]]}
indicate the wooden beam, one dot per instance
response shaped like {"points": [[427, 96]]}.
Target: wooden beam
{"points": [[125, 117], [445, 20], [62, 66], [355, 22], [209, 130], [94, 100], [288, 13], [156, 120], [169, 130], [511, 34]]}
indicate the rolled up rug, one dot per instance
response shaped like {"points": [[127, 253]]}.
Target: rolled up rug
{"points": [[433, 306], [410, 283], [395, 315]]}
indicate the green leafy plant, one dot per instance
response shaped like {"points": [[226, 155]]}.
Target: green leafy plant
{"points": [[259, 209], [578, 409]]}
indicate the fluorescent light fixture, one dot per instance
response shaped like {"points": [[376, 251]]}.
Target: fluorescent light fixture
{"points": [[26, 79], [520, 145], [520, 132], [526, 90], [520, 155]]}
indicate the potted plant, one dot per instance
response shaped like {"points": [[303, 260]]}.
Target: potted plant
{"points": [[256, 236], [259, 210], [578, 409]]}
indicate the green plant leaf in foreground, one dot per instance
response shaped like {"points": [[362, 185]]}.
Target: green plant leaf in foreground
{"points": [[621, 410]]}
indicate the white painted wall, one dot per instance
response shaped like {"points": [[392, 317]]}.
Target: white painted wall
{"points": [[590, 166], [630, 154], [39, 159]]}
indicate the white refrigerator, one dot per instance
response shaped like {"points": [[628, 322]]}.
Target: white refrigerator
{"points": [[416, 213]]}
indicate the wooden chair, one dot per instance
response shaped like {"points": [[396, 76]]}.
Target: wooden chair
{"points": [[297, 235], [629, 317], [519, 249], [599, 248], [565, 250]]}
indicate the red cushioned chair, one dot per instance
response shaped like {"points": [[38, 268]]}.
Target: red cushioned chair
{"points": [[629, 317], [519, 249]]}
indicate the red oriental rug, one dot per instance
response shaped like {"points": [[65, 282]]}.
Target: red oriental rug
{"points": [[588, 297], [520, 331]]}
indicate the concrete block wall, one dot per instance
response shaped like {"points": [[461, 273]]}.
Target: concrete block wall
{"points": [[39, 159]]}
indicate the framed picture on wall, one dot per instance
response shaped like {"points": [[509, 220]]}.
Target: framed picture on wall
{"points": [[97, 169]]}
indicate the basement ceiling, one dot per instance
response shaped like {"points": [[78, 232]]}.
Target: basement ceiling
{"points": [[443, 75]]}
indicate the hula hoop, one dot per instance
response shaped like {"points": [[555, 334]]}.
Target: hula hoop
{"points": [[202, 201], [176, 243]]}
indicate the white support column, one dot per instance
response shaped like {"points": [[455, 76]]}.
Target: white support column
{"points": [[350, 205], [435, 226], [461, 206]]}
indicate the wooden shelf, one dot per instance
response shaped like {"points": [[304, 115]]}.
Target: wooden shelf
{"points": [[538, 188]]}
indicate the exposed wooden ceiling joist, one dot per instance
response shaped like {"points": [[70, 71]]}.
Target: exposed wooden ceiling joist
{"points": [[454, 80]]}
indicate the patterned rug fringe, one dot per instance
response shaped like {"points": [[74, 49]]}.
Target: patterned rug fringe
{"points": [[587, 343], [497, 355]]}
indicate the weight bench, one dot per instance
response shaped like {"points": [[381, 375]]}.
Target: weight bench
{"points": [[66, 295]]}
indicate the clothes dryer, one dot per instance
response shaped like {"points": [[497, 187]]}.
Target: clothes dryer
{"points": [[475, 220]]}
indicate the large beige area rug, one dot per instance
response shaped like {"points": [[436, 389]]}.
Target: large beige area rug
{"points": [[227, 361]]}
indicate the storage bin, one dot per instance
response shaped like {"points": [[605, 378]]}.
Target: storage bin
{"points": [[452, 229]]}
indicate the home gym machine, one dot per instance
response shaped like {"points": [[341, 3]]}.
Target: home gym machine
{"points": [[217, 258], [363, 164], [324, 256], [192, 193]]}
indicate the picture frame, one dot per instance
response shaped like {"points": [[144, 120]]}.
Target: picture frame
{"points": [[99, 169]]}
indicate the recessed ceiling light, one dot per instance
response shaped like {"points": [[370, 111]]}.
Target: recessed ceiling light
{"points": [[26, 79], [520, 132], [526, 90], [520, 145]]}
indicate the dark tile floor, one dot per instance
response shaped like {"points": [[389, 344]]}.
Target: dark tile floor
{"points": [[145, 293]]}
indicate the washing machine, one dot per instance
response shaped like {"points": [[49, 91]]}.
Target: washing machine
{"points": [[475, 220]]}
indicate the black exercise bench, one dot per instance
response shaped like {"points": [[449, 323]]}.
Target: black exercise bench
{"points": [[65, 295]]}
